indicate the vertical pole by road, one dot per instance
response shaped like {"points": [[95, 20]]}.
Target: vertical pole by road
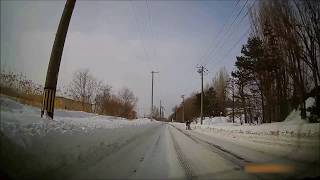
{"points": [[201, 94], [152, 72], [151, 94], [232, 100], [201, 69], [182, 96], [55, 59], [160, 111], [175, 114]]}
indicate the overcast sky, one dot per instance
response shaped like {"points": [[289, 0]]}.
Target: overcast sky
{"points": [[122, 42]]}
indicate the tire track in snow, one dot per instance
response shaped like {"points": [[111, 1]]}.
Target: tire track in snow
{"points": [[156, 146], [234, 158], [182, 158], [314, 163], [93, 156], [153, 148]]}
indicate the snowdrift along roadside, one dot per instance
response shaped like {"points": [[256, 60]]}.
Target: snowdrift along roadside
{"points": [[293, 125], [279, 128], [19, 120]]}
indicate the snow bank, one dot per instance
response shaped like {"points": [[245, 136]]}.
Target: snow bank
{"points": [[18, 120], [293, 125], [277, 129], [294, 116], [281, 128], [214, 120]]}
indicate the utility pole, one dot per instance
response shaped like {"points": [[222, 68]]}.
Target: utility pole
{"points": [[163, 112], [55, 59], [201, 69], [160, 111], [232, 100], [201, 94], [182, 96], [152, 72]]}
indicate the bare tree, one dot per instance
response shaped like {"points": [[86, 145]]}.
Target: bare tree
{"points": [[220, 85], [289, 67], [155, 112], [102, 98], [83, 87], [128, 100]]}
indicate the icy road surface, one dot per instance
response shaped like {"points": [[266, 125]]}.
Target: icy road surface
{"points": [[151, 151]]}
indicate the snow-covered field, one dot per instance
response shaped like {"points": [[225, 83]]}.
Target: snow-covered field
{"points": [[18, 120]]}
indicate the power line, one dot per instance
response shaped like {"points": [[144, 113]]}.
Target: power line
{"points": [[140, 33], [235, 29], [222, 45], [148, 54], [237, 3], [214, 50], [238, 14], [239, 22], [211, 50], [220, 31], [239, 40], [242, 18], [213, 42], [234, 45], [149, 24]]}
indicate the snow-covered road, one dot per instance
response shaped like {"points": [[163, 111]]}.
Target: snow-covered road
{"points": [[218, 157], [153, 151]]}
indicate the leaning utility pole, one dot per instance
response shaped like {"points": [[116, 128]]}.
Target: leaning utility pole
{"points": [[152, 72], [55, 59], [201, 69], [182, 96]]}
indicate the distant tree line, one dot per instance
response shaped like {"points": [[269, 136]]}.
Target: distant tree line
{"points": [[215, 101], [83, 88], [278, 68], [87, 89]]}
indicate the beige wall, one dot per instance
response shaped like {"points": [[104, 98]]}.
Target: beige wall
{"points": [[64, 103], [36, 100]]}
